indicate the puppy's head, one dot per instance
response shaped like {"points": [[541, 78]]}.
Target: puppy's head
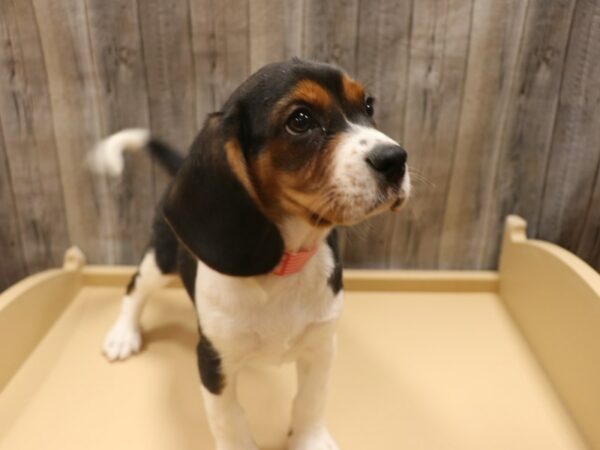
{"points": [[296, 139]]}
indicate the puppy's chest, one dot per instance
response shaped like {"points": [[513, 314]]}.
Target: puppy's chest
{"points": [[266, 317]]}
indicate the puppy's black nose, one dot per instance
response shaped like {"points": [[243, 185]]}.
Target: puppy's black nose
{"points": [[389, 161]]}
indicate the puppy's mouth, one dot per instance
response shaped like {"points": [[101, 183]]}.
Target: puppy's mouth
{"points": [[393, 200], [398, 195], [319, 219], [399, 199], [397, 204], [336, 213]]}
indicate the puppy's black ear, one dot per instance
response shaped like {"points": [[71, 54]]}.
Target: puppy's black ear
{"points": [[211, 210]]}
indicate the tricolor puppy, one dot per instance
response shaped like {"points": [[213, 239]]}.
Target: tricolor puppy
{"points": [[248, 223]]}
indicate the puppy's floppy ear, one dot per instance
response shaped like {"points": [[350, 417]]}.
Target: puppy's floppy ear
{"points": [[211, 210]]}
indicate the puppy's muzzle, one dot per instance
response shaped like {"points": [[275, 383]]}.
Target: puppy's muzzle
{"points": [[388, 161]]}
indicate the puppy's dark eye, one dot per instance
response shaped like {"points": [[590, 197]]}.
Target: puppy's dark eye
{"points": [[300, 122], [369, 106]]}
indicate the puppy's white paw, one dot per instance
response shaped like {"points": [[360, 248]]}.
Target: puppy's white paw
{"points": [[121, 341], [313, 439]]}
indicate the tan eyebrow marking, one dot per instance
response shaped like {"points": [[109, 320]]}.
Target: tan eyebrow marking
{"points": [[312, 93], [353, 91]]}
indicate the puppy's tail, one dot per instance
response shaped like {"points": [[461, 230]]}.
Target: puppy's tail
{"points": [[108, 155]]}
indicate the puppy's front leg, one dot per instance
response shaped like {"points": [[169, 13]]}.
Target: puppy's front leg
{"points": [[308, 423], [226, 418]]}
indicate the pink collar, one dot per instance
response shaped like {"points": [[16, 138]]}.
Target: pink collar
{"points": [[293, 262]]}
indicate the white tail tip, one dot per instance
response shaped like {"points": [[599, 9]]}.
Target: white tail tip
{"points": [[107, 157]]}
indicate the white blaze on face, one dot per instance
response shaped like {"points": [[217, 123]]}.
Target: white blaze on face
{"points": [[358, 187]]}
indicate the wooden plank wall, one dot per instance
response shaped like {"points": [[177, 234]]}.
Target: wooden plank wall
{"points": [[497, 101]]}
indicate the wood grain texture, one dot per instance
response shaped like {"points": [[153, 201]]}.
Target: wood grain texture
{"points": [[232, 47], [293, 19], [13, 264], [30, 145], [438, 55], [222, 55], [77, 125], [588, 246], [276, 31], [569, 213], [329, 31], [117, 55], [267, 32], [170, 76], [524, 142], [382, 61], [494, 45], [497, 103], [205, 58]]}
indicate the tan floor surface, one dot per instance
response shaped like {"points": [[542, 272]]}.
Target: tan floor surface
{"points": [[414, 371]]}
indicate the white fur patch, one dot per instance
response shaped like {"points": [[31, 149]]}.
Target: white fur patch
{"points": [[270, 319], [406, 186], [122, 340], [264, 318], [124, 337], [357, 187], [107, 156], [314, 439]]}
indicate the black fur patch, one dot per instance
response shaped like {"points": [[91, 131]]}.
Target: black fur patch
{"points": [[208, 359], [209, 364], [168, 158], [215, 217], [335, 279], [131, 284], [165, 244], [188, 265]]}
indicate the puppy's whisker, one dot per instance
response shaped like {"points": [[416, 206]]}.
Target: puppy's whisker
{"points": [[321, 206], [323, 200], [419, 176], [422, 181]]}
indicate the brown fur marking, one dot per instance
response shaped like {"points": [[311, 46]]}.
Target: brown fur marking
{"points": [[353, 91], [238, 166], [312, 93], [291, 181]]}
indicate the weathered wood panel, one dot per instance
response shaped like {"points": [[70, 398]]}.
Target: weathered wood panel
{"points": [[276, 31], [494, 44], [439, 45], [221, 42], [293, 19], [232, 46], [117, 54], [570, 209], [496, 101], [31, 152], [170, 75], [382, 61], [524, 142], [330, 30], [205, 57], [14, 266], [77, 125], [267, 32]]}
